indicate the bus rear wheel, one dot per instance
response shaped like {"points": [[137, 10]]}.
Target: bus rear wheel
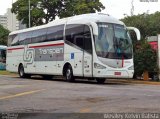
{"points": [[100, 80], [22, 73], [69, 74]]}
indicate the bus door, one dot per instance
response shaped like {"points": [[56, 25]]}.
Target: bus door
{"points": [[87, 61], [78, 56], [74, 38]]}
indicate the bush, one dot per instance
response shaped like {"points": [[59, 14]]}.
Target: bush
{"points": [[145, 58]]}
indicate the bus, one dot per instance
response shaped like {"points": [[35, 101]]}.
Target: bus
{"points": [[3, 57], [90, 46]]}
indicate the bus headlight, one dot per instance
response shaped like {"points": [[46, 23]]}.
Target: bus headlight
{"points": [[131, 68], [99, 66]]}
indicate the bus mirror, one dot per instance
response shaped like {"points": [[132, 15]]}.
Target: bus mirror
{"points": [[136, 31], [95, 28]]}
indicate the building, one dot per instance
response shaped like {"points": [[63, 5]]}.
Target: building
{"points": [[3, 21], [10, 21]]}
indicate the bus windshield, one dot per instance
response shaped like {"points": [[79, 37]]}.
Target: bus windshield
{"points": [[113, 41]]}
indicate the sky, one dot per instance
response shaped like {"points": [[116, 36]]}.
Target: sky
{"points": [[115, 8]]}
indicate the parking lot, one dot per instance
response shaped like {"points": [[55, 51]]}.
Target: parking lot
{"points": [[59, 96]]}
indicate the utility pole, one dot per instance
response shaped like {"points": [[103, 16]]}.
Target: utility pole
{"points": [[12, 17], [29, 2], [132, 8]]}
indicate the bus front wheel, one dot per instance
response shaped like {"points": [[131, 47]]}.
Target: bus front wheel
{"points": [[100, 80], [69, 74]]}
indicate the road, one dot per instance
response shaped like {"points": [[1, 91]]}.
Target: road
{"points": [[58, 96]]}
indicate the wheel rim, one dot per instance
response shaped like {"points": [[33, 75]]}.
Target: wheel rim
{"points": [[68, 74]]}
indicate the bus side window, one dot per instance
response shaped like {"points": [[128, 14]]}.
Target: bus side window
{"points": [[39, 36], [42, 35], [87, 39], [22, 38], [34, 35], [55, 33], [15, 40], [78, 41], [74, 34], [59, 33], [28, 37]]}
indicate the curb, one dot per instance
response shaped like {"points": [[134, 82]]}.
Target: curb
{"points": [[132, 81]]}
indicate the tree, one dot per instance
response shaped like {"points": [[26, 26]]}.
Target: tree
{"points": [[44, 11], [77, 7], [3, 35], [145, 58], [148, 24]]}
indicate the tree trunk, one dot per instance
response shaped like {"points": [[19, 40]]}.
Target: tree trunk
{"points": [[145, 76]]}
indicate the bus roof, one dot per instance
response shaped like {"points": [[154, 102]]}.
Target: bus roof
{"points": [[79, 19]]}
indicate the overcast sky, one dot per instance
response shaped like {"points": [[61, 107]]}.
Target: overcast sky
{"points": [[116, 8]]}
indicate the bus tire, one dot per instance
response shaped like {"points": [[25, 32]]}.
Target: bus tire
{"points": [[21, 71], [69, 74], [100, 80]]}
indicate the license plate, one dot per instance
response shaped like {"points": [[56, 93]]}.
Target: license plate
{"points": [[117, 73]]}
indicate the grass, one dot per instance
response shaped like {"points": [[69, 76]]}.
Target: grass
{"points": [[4, 72]]}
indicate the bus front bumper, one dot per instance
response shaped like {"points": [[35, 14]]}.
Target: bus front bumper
{"points": [[113, 73]]}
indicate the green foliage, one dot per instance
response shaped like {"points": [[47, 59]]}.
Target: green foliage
{"points": [[145, 58], [3, 35], [44, 11], [77, 7], [148, 25]]}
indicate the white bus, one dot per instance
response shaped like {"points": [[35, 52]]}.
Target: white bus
{"points": [[94, 46]]}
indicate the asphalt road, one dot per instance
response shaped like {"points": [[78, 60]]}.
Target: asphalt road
{"points": [[57, 96]]}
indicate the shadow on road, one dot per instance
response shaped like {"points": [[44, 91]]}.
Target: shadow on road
{"points": [[78, 81]]}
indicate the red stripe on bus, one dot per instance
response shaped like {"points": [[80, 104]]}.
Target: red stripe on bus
{"points": [[16, 48], [48, 45]]}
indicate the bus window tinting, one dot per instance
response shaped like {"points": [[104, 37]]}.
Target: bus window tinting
{"points": [[22, 38], [39, 36], [28, 37], [80, 36], [87, 40], [55, 33], [15, 40], [74, 34]]}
